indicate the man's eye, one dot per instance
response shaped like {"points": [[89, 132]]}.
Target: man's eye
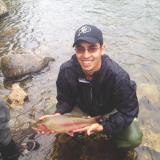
{"points": [[80, 49], [92, 49]]}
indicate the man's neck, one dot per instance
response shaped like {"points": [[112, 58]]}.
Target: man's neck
{"points": [[89, 77]]}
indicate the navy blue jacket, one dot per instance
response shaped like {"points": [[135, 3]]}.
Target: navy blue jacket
{"points": [[110, 89]]}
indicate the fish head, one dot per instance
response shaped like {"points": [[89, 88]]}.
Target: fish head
{"points": [[38, 123]]}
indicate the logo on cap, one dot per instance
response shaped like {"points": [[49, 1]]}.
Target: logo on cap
{"points": [[84, 30]]}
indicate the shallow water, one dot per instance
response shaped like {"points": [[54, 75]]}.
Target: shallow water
{"points": [[131, 32]]}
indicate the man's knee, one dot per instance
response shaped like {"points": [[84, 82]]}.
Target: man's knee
{"points": [[131, 137], [135, 139]]}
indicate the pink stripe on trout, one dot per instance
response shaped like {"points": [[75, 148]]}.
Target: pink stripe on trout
{"points": [[65, 123]]}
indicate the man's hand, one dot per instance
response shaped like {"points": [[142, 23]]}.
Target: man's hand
{"points": [[42, 129], [96, 127]]}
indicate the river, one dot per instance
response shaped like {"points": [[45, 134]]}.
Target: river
{"points": [[132, 37]]}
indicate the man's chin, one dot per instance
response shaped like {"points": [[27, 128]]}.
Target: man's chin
{"points": [[87, 67], [87, 71]]}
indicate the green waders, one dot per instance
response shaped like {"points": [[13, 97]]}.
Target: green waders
{"points": [[130, 137]]}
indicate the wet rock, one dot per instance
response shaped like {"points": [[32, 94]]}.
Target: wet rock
{"points": [[15, 66], [3, 9], [17, 96], [9, 32], [45, 143]]}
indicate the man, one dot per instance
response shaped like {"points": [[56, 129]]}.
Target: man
{"points": [[9, 150], [96, 84]]}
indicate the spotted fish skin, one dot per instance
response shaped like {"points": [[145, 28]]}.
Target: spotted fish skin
{"points": [[65, 123]]}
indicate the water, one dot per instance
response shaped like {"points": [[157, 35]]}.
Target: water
{"points": [[131, 33]]}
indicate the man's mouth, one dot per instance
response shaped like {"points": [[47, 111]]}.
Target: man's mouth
{"points": [[86, 62]]}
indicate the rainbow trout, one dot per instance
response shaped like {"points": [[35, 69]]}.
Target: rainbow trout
{"points": [[65, 123]]}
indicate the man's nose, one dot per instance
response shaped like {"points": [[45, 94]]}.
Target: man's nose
{"points": [[86, 53]]}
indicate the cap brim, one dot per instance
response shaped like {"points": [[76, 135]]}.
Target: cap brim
{"points": [[87, 39]]}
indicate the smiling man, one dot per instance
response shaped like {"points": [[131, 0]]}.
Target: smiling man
{"points": [[89, 57], [96, 84]]}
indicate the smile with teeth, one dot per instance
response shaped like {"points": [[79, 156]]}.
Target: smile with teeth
{"points": [[86, 62]]}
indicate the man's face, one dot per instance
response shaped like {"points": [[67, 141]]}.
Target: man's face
{"points": [[89, 57]]}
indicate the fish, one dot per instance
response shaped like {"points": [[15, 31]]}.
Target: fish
{"points": [[65, 123]]}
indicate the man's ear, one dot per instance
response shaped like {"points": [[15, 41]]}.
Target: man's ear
{"points": [[103, 49]]}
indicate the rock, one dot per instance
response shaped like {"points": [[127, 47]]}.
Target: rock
{"points": [[17, 96], [15, 66], [150, 91], [3, 8]]}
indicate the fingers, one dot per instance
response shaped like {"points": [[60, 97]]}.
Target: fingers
{"points": [[70, 134], [50, 132], [91, 130], [57, 114], [81, 129], [96, 127], [42, 129], [45, 116]]}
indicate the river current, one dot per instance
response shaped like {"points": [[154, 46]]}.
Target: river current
{"points": [[132, 37]]}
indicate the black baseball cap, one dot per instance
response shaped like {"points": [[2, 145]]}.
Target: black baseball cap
{"points": [[88, 33]]}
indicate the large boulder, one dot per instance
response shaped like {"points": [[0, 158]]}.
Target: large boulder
{"points": [[3, 8], [15, 66]]}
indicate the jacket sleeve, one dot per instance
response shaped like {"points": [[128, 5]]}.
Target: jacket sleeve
{"points": [[64, 96], [125, 102]]}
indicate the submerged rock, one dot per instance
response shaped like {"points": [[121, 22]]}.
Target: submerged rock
{"points": [[3, 8], [149, 91]]}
